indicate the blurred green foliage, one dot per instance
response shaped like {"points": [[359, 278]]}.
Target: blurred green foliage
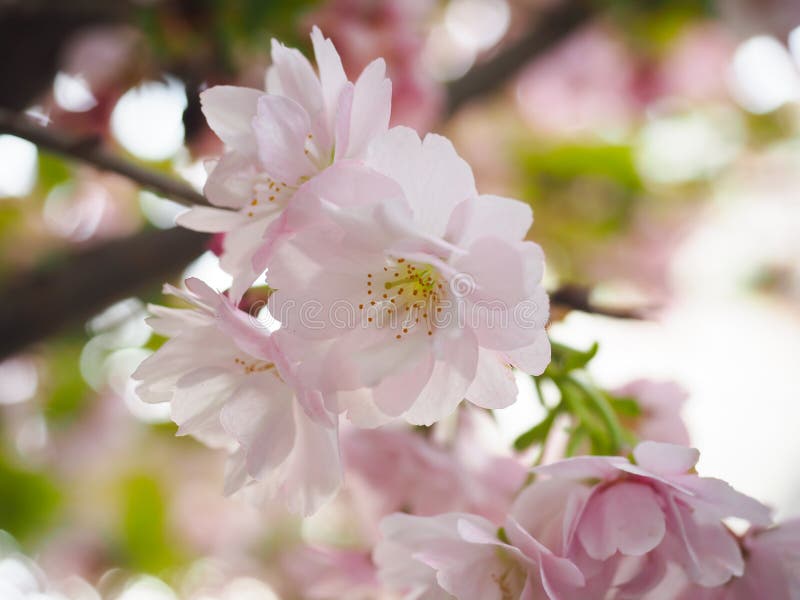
{"points": [[29, 501], [68, 395], [146, 542], [215, 31]]}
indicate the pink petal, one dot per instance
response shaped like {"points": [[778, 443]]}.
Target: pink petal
{"points": [[331, 75], [262, 422], [448, 384], [583, 467], [494, 385], [665, 459], [281, 128], [210, 220], [625, 517], [487, 215], [434, 178], [230, 183], [298, 81], [534, 358], [371, 107], [229, 111]]}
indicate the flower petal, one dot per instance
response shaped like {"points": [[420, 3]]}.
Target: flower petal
{"points": [[281, 128], [434, 178], [625, 518], [229, 111], [488, 215]]}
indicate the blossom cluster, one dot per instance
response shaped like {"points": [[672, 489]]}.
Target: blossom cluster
{"points": [[599, 527], [399, 289], [395, 292]]}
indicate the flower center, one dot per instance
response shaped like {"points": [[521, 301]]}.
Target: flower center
{"points": [[405, 296], [254, 366], [268, 195]]}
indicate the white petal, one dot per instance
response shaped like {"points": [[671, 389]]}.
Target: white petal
{"points": [[210, 220], [370, 110], [434, 178], [494, 385], [488, 215], [532, 359], [229, 111], [281, 127]]}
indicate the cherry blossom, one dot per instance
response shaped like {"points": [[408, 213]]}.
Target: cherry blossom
{"points": [[425, 291], [461, 555], [637, 518], [230, 385], [281, 138], [772, 558]]}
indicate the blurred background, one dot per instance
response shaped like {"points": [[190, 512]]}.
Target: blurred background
{"points": [[657, 141]]}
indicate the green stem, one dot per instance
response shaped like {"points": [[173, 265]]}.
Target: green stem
{"points": [[605, 410]]}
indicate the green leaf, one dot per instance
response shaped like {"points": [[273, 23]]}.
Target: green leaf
{"points": [[566, 359], [627, 407], [536, 434]]}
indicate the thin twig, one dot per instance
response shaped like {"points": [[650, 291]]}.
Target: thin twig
{"points": [[88, 151]]}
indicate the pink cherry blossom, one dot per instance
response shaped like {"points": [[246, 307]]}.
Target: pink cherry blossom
{"points": [[322, 573], [630, 521], [229, 384], [281, 138], [424, 290], [660, 403], [772, 569], [463, 556]]}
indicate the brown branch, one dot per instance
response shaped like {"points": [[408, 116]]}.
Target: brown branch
{"points": [[573, 297], [546, 31], [42, 302], [88, 151]]}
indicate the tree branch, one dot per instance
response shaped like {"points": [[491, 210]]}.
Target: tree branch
{"points": [[573, 297], [545, 32], [42, 302], [88, 151]]}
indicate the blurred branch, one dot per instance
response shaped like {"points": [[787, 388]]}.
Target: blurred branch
{"points": [[42, 302], [574, 297], [88, 150], [545, 32]]}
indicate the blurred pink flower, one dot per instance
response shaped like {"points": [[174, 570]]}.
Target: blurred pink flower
{"points": [[772, 567], [585, 84], [322, 573], [394, 29], [660, 403], [696, 65], [429, 477], [462, 555]]}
